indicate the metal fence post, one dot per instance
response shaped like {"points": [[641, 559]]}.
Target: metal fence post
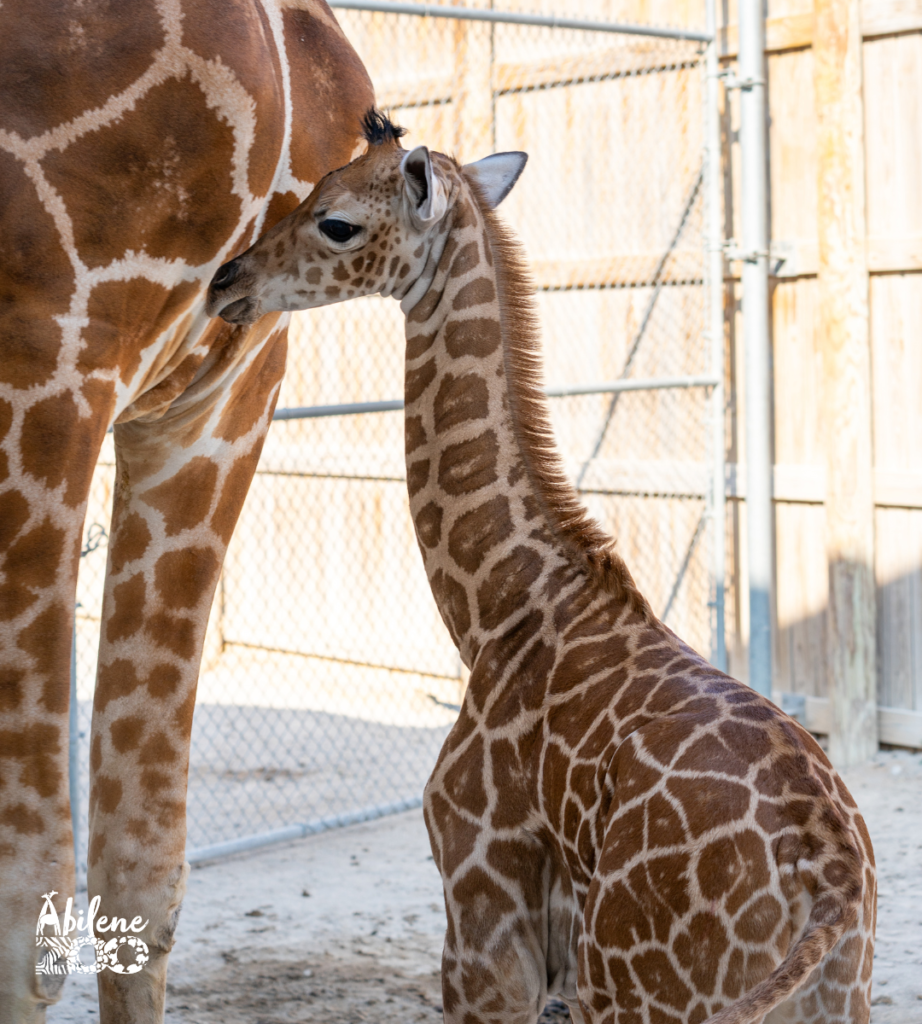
{"points": [[754, 255], [715, 327]]}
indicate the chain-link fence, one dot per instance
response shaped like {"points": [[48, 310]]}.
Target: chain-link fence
{"points": [[329, 681]]}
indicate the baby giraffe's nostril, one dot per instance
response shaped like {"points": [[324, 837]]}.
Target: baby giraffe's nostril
{"points": [[225, 275]]}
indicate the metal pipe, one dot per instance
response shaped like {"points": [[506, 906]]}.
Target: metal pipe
{"points": [[704, 380], [307, 828], [714, 277], [310, 412], [513, 18], [754, 254]]}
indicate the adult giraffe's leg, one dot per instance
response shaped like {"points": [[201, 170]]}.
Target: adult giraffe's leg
{"points": [[48, 449], [180, 485]]}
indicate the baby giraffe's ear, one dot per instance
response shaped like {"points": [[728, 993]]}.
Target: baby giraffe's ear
{"points": [[425, 191], [497, 174]]}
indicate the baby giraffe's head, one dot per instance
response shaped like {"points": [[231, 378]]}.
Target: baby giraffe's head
{"points": [[377, 225]]}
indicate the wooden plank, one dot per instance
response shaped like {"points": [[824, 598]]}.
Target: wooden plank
{"points": [[899, 613], [416, 92], [805, 483], [795, 31], [644, 57], [792, 32], [636, 115], [799, 257], [893, 145], [894, 255], [896, 312], [329, 452], [896, 315], [801, 595], [842, 330], [900, 727], [792, 138], [896, 489], [797, 378], [664, 477], [889, 17]]}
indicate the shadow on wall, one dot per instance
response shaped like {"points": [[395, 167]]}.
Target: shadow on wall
{"points": [[800, 647], [801, 670]]}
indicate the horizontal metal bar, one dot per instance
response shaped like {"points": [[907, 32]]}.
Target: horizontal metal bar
{"points": [[393, 405], [515, 18], [290, 832], [640, 384], [310, 412]]}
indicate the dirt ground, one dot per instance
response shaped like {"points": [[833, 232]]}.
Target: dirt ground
{"points": [[346, 927]]}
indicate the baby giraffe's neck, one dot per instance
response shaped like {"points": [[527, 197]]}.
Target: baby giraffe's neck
{"points": [[497, 526]]}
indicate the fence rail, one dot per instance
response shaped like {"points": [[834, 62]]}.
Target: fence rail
{"points": [[612, 387], [516, 18]]}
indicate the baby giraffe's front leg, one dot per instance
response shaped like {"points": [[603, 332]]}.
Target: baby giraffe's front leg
{"points": [[494, 963]]}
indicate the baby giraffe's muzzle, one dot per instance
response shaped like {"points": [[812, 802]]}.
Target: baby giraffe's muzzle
{"points": [[228, 295]]}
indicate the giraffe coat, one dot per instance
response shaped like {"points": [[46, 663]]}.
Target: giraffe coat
{"points": [[141, 145], [616, 822]]}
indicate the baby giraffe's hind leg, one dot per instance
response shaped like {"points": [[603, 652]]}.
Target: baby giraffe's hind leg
{"points": [[681, 916]]}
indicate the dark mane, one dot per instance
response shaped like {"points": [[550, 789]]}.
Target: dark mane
{"points": [[378, 128], [566, 514]]}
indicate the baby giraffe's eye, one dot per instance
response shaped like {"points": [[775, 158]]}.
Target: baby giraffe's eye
{"points": [[339, 230]]}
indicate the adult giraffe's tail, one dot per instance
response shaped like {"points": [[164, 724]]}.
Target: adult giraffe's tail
{"points": [[837, 907]]}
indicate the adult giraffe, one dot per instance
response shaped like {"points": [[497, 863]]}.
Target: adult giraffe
{"points": [[141, 146]]}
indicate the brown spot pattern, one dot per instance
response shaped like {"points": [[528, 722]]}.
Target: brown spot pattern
{"points": [[469, 465], [418, 381], [475, 533], [460, 400], [183, 577], [478, 337], [185, 499], [128, 608], [506, 588], [429, 524], [475, 293], [452, 601]]}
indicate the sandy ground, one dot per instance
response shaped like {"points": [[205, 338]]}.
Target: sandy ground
{"points": [[346, 926]]}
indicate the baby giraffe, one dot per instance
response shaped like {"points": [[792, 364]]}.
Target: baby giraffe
{"points": [[617, 823]]}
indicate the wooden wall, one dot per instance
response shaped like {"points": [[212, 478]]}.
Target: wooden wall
{"points": [[892, 93]]}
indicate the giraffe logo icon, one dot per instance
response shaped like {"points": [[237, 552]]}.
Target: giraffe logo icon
{"points": [[63, 937]]}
